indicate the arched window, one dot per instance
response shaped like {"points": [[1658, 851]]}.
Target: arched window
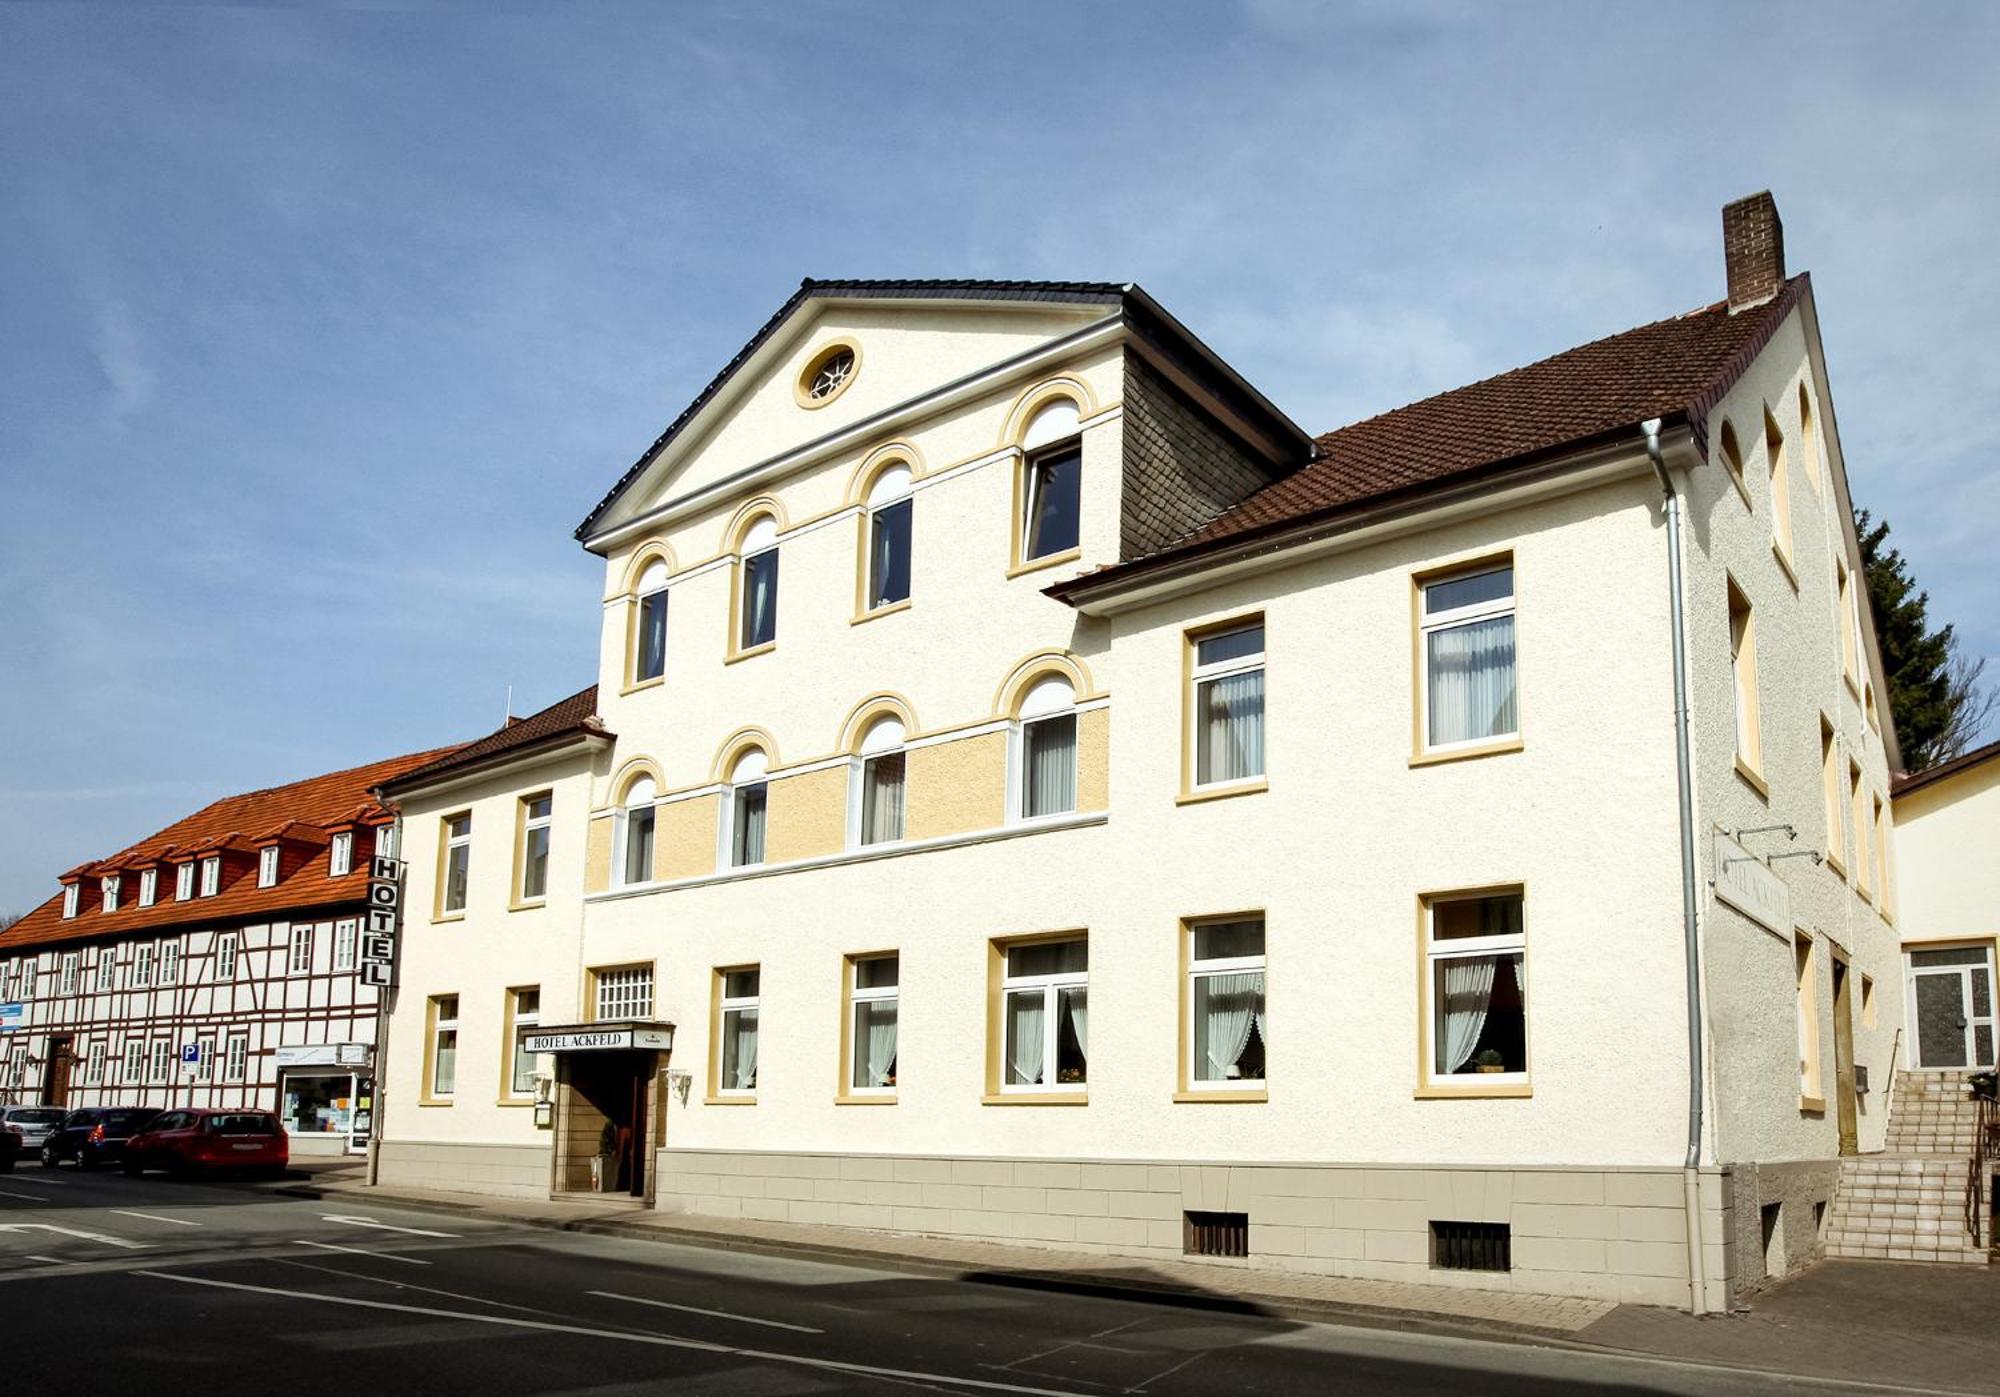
{"points": [[1045, 750], [757, 598], [876, 805], [1051, 482], [888, 539], [649, 650], [743, 808], [633, 855]]}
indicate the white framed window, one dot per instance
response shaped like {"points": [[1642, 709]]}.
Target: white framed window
{"points": [[236, 1059], [206, 1065], [1806, 971], [1475, 1022], [160, 1060], [876, 783], [225, 957], [17, 1071], [385, 841], [170, 962], [72, 895], [72, 965], [211, 875], [346, 939], [1043, 751], [1051, 483], [301, 958], [107, 889], [757, 598], [183, 881], [340, 854], [28, 969], [744, 807], [93, 1064], [107, 968], [135, 1061], [1045, 1019], [142, 966], [525, 1012], [149, 886], [1226, 705], [736, 1033], [267, 867], [1227, 1038], [873, 1003], [537, 822], [889, 538], [632, 835], [625, 993], [649, 644], [1466, 650], [443, 1075], [457, 862]]}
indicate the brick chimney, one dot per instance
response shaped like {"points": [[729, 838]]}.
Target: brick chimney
{"points": [[1753, 249]]}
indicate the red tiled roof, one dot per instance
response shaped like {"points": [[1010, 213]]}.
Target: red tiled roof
{"points": [[1674, 369], [1907, 782], [231, 822], [575, 714]]}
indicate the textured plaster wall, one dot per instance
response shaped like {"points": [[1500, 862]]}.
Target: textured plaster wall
{"points": [[1093, 759], [685, 838], [807, 815], [1753, 1031], [1946, 838], [956, 787]]}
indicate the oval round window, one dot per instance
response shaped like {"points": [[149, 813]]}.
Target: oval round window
{"points": [[827, 375]]}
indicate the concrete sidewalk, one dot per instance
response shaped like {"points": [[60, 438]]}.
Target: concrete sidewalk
{"points": [[1911, 1327]]}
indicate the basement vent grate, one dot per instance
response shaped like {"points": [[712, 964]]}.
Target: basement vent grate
{"points": [[1216, 1234], [1472, 1246]]}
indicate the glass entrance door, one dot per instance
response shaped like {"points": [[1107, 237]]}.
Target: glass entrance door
{"points": [[1951, 1004]]}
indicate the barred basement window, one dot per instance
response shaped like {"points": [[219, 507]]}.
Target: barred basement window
{"points": [[1472, 1246], [1215, 1234]]}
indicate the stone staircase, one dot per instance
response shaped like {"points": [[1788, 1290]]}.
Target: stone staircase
{"points": [[1908, 1203]]}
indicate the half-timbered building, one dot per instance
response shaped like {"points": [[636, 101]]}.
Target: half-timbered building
{"points": [[215, 963]]}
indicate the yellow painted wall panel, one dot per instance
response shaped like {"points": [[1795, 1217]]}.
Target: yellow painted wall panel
{"points": [[957, 787]]}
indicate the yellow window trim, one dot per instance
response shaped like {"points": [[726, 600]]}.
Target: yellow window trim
{"points": [[996, 975], [713, 1095], [1223, 792], [844, 1093], [509, 1002], [879, 612], [752, 653], [1421, 753], [1516, 1091], [1053, 560], [1191, 640], [1184, 1088], [425, 1097], [1785, 564], [1426, 1088], [822, 352], [1753, 778], [1031, 1098], [1495, 748], [1189, 1098]]}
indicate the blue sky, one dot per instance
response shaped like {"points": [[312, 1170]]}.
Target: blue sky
{"points": [[320, 328]]}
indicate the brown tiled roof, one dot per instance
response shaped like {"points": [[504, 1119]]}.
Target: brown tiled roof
{"points": [[577, 713], [231, 822], [1675, 370], [1907, 782]]}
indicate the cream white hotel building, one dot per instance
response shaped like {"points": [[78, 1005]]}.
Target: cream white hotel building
{"points": [[1041, 792]]}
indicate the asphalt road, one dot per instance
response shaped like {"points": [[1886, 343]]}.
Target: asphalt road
{"points": [[111, 1284]]}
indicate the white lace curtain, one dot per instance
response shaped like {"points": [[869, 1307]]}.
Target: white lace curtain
{"points": [[1026, 1015], [882, 799], [1233, 1003], [1051, 765], [880, 1022], [1472, 681], [1231, 732], [741, 1068], [1467, 985]]}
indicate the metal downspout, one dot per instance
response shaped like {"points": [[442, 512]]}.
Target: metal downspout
{"points": [[1690, 932]]}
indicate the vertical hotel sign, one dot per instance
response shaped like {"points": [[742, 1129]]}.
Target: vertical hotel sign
{"points": [[385, 922]]}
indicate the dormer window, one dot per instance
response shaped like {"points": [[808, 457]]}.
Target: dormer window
{"points": [[108, 887], [211, 875], [1051, 483], [340, 855], [149, 886], [649, 657], [183, 882], [385, 841], [757, 604], [267, 867], [72, 894]]}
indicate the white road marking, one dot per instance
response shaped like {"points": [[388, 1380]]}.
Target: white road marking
{"points": [[383, 1226], [52, 1260], [72, 1232], [622, 1336], [155, 1217], [403, 1285], [712, 1314], [357, 1251], [24, 1197]]}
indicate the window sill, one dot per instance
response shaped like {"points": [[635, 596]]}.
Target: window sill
{"points": [[1753, 779], [1812, 1105], [1035, 1098], [1742, 487], [434, 1101], [713, 1100], [1867, 894], [1838, 865], [1235, 788], [1508, 1090], [879, 612], [752, 653], [447, 917], [529, 905], [636, 685], [1459, 754], [1853, 684], [1785, 562], [889, 1100], [514, 1101], [1191, 1097], [1053, 560]]}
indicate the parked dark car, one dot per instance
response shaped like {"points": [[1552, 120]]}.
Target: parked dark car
{"points": [[10, 1148], [210, 1140], [95, 1135]]}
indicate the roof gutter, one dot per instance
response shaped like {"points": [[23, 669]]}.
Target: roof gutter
{"points": [[541, 749]]}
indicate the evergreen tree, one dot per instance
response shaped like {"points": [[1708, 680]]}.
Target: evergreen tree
{"points": [[1935, 696]]}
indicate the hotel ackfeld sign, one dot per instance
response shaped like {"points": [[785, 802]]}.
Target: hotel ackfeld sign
{"points": [[583, 1040], [385, 920], [1748, 884]]}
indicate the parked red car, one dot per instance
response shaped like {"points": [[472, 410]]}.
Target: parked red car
{"points": [[210, 1140]]}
